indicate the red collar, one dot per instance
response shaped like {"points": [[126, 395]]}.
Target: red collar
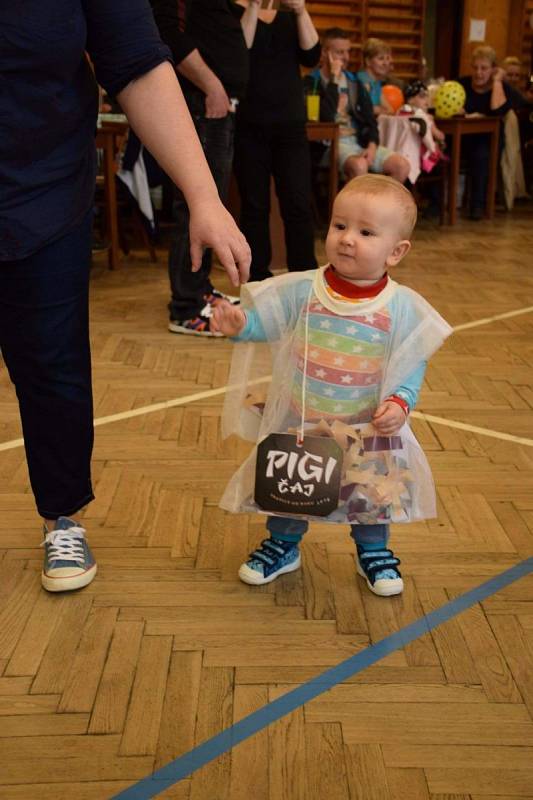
{"points": [[351, 290]]}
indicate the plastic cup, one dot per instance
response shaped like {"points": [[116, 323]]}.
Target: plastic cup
{"points": [[313, 107]]}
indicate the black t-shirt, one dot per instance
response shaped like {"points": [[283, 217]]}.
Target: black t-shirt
{"points": [[212, 27], [479, 103], [275, 93], [49, 102]]}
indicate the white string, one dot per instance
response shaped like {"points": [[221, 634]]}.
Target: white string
{"points": [[304, 375]]}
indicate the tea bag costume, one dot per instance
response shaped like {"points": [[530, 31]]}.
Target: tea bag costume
{"points": [[333, 360]]}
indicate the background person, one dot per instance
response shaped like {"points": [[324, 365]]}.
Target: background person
{"points": [[212, 62], [377, 59], [270, 139], [487, 94], [344, 99], [47, 182]]}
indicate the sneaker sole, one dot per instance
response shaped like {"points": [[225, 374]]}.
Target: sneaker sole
{"points": [[381, 588], [190, 332], [253, 578], [68, 584]]}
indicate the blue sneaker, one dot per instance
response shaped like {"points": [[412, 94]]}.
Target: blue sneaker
{"points": [[68, 561], [380, 568], [274, 557]]}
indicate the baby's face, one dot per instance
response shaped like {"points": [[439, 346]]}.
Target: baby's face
{"points": [[420, 100], [362, 235]]}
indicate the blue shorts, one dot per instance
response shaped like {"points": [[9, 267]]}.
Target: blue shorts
{"points": [[349, 146]]}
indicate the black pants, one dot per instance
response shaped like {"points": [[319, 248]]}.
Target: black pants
{"points": [[477, 154], [44, 338], [281, 151], [189, 288]]}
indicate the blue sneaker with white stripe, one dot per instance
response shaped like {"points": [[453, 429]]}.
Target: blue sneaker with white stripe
{"points": [[380, 568], [68, 561], [272, 558]]}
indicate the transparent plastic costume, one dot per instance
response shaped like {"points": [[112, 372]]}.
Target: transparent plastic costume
{"points": [[290, 313]]}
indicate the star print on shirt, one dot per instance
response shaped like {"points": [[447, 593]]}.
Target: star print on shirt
{"points": [[357, 348], [339, 361], [329, 392], [352, 330], [332, 342], [346, 378], [314, 353], [326, 324], [320, 373]]}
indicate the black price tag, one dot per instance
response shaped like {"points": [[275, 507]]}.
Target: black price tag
{"points": [[295, 478]]}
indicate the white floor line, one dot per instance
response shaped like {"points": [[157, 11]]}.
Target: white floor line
{"points": [[191, 398], [462, 426], [487, 320]]}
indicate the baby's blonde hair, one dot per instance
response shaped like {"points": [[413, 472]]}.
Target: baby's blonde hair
{"points": [[387, 187]]}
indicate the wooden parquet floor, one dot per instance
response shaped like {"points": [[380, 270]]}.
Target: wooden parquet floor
{"points": [[167, 648]]}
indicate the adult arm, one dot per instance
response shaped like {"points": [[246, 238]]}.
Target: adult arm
{"points": [[194, 68], [158, 114], [498, 98], [307, 35], [188, 60]]}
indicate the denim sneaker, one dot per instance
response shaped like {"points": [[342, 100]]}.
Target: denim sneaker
{"points": [[379, 567], [273, 558], [68, 561]]}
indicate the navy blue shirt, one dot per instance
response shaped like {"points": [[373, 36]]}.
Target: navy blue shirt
{"points": [[49, 104]]}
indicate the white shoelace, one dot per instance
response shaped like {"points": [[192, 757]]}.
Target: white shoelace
{"points": [[65, 545]]}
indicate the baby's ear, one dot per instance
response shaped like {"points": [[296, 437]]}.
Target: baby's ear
{"points": [[399, 251]]}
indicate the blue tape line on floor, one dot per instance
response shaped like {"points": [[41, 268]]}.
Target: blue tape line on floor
{"points": [[190, 762]]}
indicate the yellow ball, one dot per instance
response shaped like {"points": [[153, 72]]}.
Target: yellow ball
{"points": [[449, 99]]}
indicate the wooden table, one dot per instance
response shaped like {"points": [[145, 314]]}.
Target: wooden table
{"points": [[456, 128], [108, 136], [328, 131]]}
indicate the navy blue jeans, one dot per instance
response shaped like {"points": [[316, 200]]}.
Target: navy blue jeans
{"points": [[189, 288], [369, 537], [44, 338]]}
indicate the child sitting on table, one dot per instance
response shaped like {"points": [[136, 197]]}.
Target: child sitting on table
{"points": [[416, 107], [349, 349]]}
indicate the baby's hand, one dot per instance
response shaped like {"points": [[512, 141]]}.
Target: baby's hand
{"points": [[388, 418], [227, 318]]}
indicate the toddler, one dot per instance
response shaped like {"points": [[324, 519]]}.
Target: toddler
{"points": [[349, 348], [416, 107]]}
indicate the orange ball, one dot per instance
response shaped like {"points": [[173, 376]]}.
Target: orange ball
{"points": [[393, 95]]}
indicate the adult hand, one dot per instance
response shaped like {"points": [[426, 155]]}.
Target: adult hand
{"points": [[298, 6], [227, 318], [217, 103], [498, 74], [370, 153], [388, 418], [334, 65], [211, 225]]}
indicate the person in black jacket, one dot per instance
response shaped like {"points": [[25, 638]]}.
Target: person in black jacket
{"points": [[344, 99], [212, 62], [47, 180], [487, 94], [270, 139]]}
